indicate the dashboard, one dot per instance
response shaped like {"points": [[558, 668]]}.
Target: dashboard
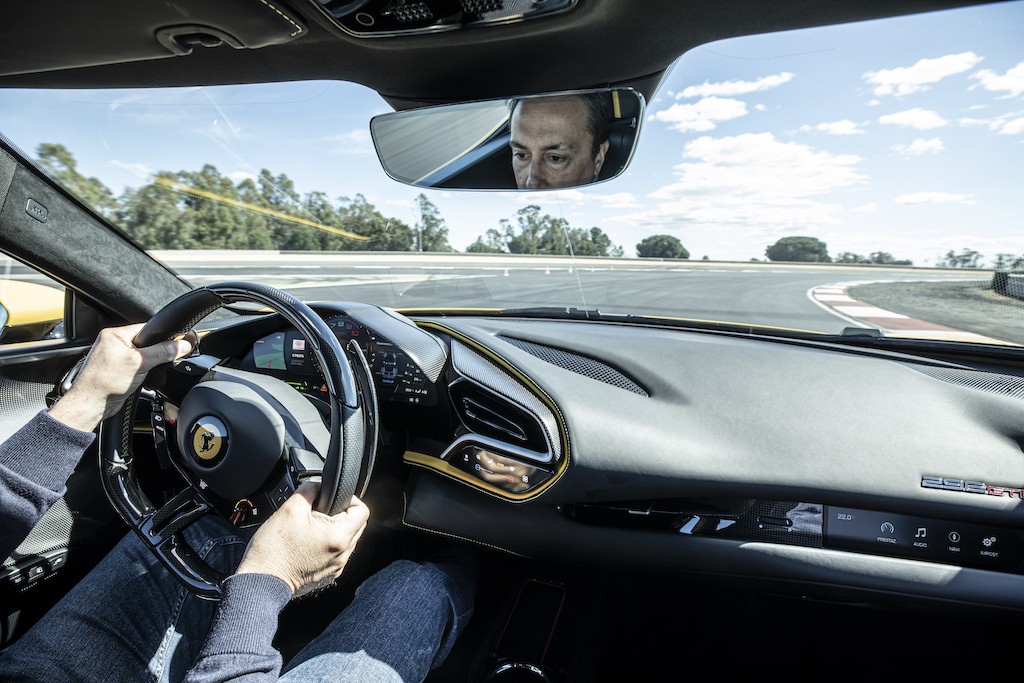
{"points": [[805, 464]]}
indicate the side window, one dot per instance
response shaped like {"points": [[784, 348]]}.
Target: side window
{"points": [[31, 304]]}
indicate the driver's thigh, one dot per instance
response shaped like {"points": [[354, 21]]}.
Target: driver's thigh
{"points": [[128, 620]]}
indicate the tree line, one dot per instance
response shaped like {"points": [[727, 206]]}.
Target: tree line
{"points": [[205, 209], [812, 250]]}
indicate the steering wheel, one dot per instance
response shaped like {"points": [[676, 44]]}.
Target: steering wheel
{"points": [[243, 441]]}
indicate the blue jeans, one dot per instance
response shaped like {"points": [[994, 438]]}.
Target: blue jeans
{"points": [[129, 620]]}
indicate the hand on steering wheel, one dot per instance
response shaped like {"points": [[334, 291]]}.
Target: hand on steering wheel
{"points": [[243, 441]]}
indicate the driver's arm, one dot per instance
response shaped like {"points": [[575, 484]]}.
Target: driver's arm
{"points": [[297, 550], [36, 461]]}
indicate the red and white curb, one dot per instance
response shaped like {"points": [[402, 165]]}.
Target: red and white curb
{"points": [[834, 299]]}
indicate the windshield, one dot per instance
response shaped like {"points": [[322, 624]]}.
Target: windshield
{"points": [[864, 175]]}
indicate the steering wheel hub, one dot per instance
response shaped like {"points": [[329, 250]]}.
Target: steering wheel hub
{"points": [[209, 439]]}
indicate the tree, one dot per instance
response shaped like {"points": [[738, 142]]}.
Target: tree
{"points": [[61, 164], [850, 257], [800, 249], [593, 242], [881, 258], [1008, 262], [155, 217], [386, 234], [482, 247], [661, 246], [431, 230], [537, 233], [967, 258]]}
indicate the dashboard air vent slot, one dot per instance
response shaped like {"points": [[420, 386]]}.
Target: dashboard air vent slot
{"points": [[488, 414], [581, 365], [477, 415]]}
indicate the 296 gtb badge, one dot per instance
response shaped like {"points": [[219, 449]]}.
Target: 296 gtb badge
{"points": [[965, 486]]}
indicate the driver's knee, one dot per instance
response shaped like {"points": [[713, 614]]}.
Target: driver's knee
{"points": [[217, 542]]}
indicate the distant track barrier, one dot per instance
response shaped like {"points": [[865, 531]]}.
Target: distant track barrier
{"points": [[1008, 284]]}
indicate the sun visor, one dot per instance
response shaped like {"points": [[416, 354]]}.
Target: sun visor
{"points": [[91, 34]]}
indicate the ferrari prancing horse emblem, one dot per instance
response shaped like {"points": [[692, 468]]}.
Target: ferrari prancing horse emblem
{"points": [[209, 437]]}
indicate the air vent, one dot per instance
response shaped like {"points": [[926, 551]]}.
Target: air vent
{"points": [[477, 415], [581, 365], [488, 414], [991, 382]]}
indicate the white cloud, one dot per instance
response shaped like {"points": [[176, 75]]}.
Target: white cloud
{"points": [[239, 176], [922, 119], [760, 107], [140, 170], [573, 198], [935, 198], [1011, 123], [702, 115], [754, 181], [874, 103], [866, 208], [843, 127], [356, 141], [1012, 81], [733, 88], [907, 80], [920, 146], [1014, 127]]}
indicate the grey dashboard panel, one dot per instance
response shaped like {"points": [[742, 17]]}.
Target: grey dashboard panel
{"points": [[729, 415], [737, 417]]}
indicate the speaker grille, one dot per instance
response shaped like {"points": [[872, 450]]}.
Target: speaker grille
{"points": [[581, 365], [991, 382]]}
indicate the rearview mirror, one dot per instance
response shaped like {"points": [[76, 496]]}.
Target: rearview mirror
{"points": [[550, 141]]}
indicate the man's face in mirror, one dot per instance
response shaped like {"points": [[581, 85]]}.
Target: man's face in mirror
{"points": [[553, 145]]}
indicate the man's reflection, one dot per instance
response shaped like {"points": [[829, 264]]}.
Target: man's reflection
{"points": [[559, 141], [505, 473]]}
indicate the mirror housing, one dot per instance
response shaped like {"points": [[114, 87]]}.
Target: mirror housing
{"points": [[551, 141]]}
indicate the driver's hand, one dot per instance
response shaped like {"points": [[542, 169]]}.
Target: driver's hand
{"points": [[113, 370], [304, 548]]}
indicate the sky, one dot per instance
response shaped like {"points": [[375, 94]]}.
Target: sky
{"points": [[902, 135]]}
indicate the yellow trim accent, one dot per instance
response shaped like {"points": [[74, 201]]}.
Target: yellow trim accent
{"points": [[615, 104], [443, 467], [733, 324], [635, 318], [461, 311], [184, 189]]}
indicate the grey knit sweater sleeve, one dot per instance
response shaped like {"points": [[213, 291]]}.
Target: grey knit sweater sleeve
{"points": [[35, 463]]}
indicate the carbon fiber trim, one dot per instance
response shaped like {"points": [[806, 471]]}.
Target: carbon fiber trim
{"points": [[423, 348], [581, 365], [477, 368], [991, 382]]}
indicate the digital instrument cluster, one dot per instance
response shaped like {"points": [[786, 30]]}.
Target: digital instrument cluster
{"points": [[287, 354]]}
